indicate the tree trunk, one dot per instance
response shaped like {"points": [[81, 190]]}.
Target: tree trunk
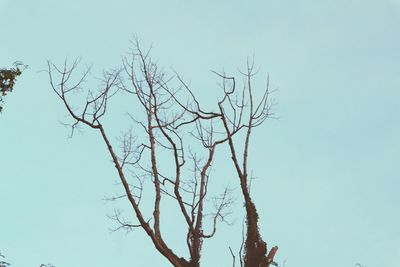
{"points": [[255, 248]]}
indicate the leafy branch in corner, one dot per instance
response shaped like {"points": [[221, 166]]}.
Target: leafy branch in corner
{"points": [[8, 78]]}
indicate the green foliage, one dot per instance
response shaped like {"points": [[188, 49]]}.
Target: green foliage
{"points": [[6, 264], [8, 78], [3, 263]]}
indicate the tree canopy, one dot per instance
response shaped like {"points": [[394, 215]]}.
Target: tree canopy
{"points": [[8, 77]]}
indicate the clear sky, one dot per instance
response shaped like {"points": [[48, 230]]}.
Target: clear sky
{"points": [[328, 168]]}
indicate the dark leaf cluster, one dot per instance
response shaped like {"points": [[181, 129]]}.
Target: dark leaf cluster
{"points": [[8, 78]]}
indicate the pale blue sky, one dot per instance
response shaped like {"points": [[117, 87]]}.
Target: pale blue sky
{"points": [[328, 169]]}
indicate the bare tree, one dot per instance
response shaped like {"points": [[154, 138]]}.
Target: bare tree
{"points": [[246, 114], [167, 124], [240, 113]]}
